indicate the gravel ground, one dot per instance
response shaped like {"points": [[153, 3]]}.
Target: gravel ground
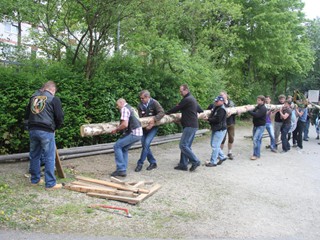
{"points": [[275, 197]]}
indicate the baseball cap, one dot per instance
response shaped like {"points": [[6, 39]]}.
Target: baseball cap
{"points": [[219, 98]]}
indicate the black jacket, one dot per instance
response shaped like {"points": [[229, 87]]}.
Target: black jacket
{"points": [[218, 119], [259, 115], [44, 112], [189, 108]]}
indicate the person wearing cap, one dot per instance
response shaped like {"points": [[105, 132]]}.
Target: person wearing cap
{"points": [[259, 114], [218, 122], [231, 121], [148, 107], [189, 108]]}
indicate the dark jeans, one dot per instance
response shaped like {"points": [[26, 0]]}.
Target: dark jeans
{"points": [[285, 128], [297, 133]]}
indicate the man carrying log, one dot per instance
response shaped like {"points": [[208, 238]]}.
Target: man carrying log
{"points": [[148, 107], [259, 114], [131, 126], [44, 115], [218, 122], [189, 108]]}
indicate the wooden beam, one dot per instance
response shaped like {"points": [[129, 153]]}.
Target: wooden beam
{"points": [[131, 200], [59, 168]]}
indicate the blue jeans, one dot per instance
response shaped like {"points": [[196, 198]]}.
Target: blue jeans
{"points": [[284, 132], [185, 147], [42, 145], [121, 148], [146, 141], [270, 130], [257, 139], [216, 140]]}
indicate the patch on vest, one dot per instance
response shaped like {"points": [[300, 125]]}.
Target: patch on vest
{"points": [[38, 103]]}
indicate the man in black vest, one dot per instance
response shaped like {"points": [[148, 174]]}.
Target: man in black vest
{"points": [[131, 126], [148, 107], [189, 108], [44, 115]]}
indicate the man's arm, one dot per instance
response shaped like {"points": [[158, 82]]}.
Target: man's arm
{"points": [[58, 112]]}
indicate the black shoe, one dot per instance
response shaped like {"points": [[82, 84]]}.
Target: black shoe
{"points": [[138, 168], [305, 140], [119, 174], [181, 168], [230, 156], [221, 161], [152, 166], [210, 164], [194, 166], [317, 138]]}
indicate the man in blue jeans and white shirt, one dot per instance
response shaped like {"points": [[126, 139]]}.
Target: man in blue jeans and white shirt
{"points": [[131, 126], [259, 124], [189, 108], [148, 107]]}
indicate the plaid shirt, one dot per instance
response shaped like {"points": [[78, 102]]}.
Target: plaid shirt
{"points": [[125, 115]]}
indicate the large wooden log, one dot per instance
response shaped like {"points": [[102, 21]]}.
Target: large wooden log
{"points": [[106, 128]]}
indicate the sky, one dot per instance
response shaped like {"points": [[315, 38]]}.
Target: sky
{"points": [[312, 8]]}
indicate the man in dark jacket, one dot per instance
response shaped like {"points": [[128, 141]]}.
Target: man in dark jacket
{"points": [[148, 107], [44, 115], [189, 108], [218, 122], [259, 114]]}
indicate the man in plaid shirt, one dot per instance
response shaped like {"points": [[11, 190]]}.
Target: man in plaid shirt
{"points": [[132, 132]]}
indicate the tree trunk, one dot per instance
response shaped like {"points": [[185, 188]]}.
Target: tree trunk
{"points": [[106, 128]]}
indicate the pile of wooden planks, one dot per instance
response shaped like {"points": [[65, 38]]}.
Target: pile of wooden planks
{"points": [[115, 189]]}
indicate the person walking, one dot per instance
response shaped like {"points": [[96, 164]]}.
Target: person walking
{"points": [[259, 124], [302, 113], [278, 121], [44, 116], [269, 127], [148, 107], [231, 121], [218, 122], [285, 114], [189, 108], [132, 132]]}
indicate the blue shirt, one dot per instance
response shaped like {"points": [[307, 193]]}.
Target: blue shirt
{"points": [[304, 116]]}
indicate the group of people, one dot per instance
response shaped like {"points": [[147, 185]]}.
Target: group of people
{"points": [[289, 120], [44, 115], [221, 124]]}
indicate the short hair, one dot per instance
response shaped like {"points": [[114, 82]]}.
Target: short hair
{"points": [[262, 98], [281, 96], [268, 96], [145, 93], [49, 85], [185, 87]]}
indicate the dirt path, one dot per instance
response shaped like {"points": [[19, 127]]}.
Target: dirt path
{"points": [[275, 197]]}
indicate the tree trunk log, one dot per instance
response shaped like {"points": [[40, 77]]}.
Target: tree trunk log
{"points": [[106, 128]]}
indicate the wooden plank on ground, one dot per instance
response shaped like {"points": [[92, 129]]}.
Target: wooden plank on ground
{"points": [[131, 200], [153, 190], [114, 185], [81, 183]]}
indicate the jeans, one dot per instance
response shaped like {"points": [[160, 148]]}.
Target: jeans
{"points": [[146, 141], [271, 135], [306, 130], [42, 145], [121, 148], [257, 139], [216, 140], [284, 132], [277, 129], [185, 147], [297, 134]]}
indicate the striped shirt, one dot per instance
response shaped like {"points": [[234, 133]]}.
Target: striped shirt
{"points": [[125, 115]]}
